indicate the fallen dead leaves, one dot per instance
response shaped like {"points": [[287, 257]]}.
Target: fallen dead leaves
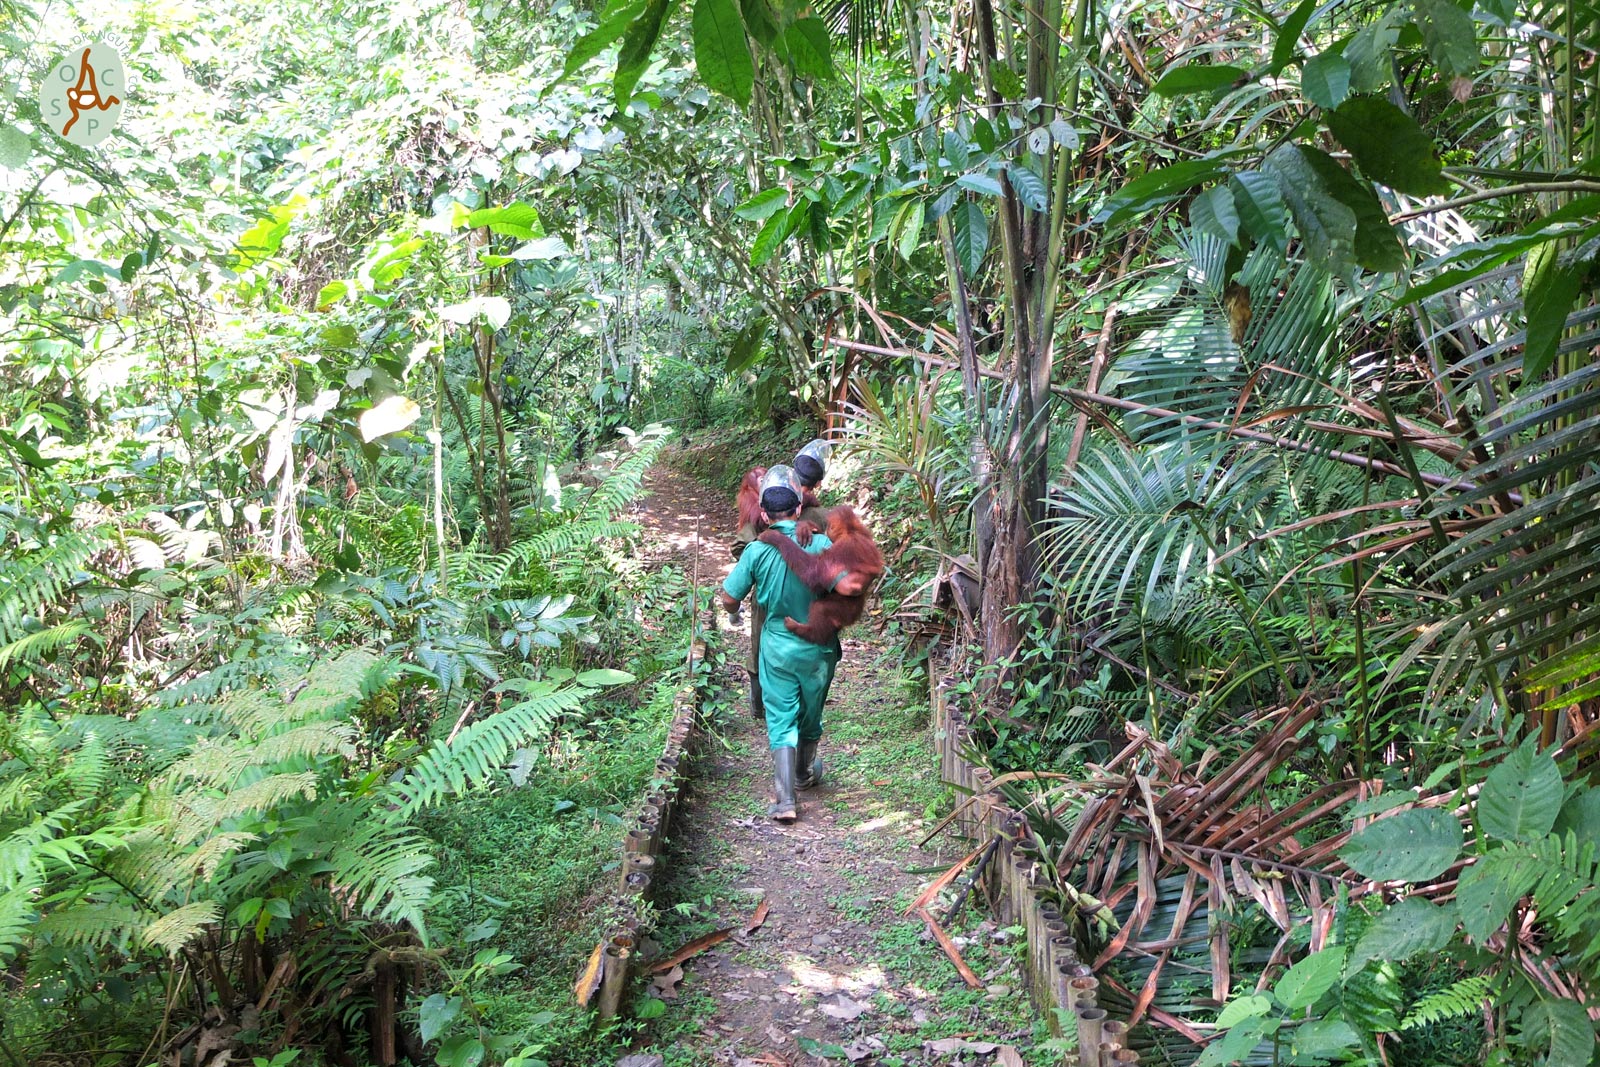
{"points": [[589, 979], [1004, 1055], [711, 940]]}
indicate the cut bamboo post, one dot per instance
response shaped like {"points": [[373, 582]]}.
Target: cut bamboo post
{"points": [[637, 863], [637, 842], [1124, 1056], [1090, 1021], [613, 982], [1113, 1035], [1061, 988], [637, 883]]}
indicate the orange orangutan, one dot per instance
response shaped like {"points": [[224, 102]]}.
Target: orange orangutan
{"points": [[853, 559]]}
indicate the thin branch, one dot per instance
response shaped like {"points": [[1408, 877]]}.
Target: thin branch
{"points": [[1576, 185], [1082, 398]]}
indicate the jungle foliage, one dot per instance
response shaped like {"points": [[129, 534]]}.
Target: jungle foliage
{"points": [[1239, 358]]}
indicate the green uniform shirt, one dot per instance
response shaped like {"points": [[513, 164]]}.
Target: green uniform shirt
{"points": [[817, 516], [794, 673], [778, 591]]}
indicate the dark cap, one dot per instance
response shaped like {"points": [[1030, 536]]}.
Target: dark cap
{"points": [[810, 470], [779, 500]]}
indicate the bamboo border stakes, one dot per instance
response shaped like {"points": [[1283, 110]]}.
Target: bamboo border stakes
{"points": [[1114, 1032], [637, 863], [615, 979], [1020, 891], [1090, 1021], [643, 847]]}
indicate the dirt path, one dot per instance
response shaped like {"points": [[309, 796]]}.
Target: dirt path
{"points": [[835, 972]]}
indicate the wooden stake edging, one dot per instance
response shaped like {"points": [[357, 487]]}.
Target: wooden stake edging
{"points": [[644, 846], [1056, 977]]}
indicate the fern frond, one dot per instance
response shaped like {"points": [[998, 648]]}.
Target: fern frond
{"points": [[18, 915], [205, 814], [30, 585], [90, 768], [43, 642], [334, 686], [93, 925], [220, 765], [177, 928], [549, 544], [1460, 998], [21, 849], [149, 864], [17, 794], [204, 861], [478, 750], [382, 867]]}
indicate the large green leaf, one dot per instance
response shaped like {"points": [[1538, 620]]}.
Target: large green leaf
{"points": [[763, 205], [618, 16], [1407, 929], [1304, 983], [1549, 289], [516, 219], [1489, 888], [721, 53], [1369, 51], [1581, 816], [1412, 846], [1375, 244], [1450, 35], [760, 21], [1562, 1030], [15, 147], [768, 238], [1237, 1043], [970, 229], [806, 41], [1261, 208], [436, 1012], [1197, 78], [746, 346], [1326, 225], [1388, 145], [637, 45], [1323, 1039], [1283, 49], [906, 233], [1213, 211], [1325, 79], [1146, 191], [1029, 187], [981, 182], [1237, 1010], [1522, 795]]}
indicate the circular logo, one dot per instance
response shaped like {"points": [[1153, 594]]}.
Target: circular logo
{"points": [[81, 96]]}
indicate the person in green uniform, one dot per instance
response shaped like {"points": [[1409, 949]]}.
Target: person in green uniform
{"points": [[794, 673], [810, 467], [808, 470], [758, 617]]}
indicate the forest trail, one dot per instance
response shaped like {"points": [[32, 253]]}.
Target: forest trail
{"points": [[834, 969]]}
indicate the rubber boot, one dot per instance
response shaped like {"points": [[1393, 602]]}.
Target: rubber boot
{"points": [[809, 775], [782, 807]]}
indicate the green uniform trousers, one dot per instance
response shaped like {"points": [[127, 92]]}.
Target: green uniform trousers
{"points": [[794, 674]]}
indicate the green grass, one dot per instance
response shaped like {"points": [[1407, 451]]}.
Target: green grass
{"points": [[542, 861]]}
